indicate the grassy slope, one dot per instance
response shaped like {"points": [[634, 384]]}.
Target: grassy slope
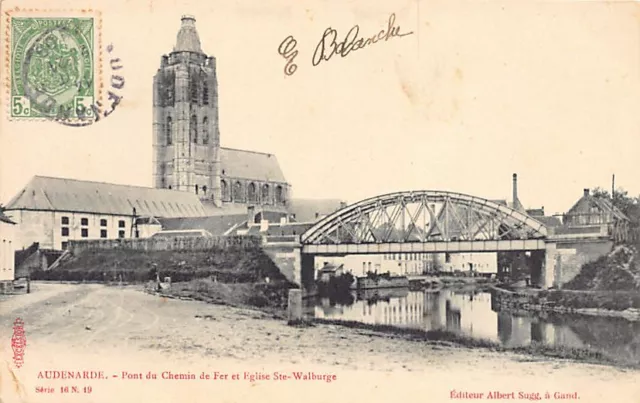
{"points": [[230, 276], [228, 266], [618, 271]]}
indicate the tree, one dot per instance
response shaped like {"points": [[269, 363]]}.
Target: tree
{"points": [[630, 206]]}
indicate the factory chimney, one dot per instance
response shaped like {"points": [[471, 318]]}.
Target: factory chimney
{"points": [[515, 190]]}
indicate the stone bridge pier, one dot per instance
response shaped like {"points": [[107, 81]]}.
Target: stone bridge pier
{"points": [[543, 270]]}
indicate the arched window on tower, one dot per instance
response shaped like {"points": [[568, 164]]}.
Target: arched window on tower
{"points": [[279, 194], [194, 92], [252, 195], [194, 129], [196, 189], [168, 130], [237, 192], [224, 188], [265, 194], [204, 189], [205, 93], [163, 180], [205, 130]]}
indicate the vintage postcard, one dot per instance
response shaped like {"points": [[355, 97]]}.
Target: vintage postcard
{"points": [[319, 201]]}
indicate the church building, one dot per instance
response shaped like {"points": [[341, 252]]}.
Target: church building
{"points": [[186, 136], [195, 180]]}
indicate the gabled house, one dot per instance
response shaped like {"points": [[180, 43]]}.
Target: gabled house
{"points": [[591, 210]]}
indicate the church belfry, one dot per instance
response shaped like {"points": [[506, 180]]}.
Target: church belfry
{"points": [[186, 136]]}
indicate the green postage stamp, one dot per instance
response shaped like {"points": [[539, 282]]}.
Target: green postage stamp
{"points": [[52, 68]]}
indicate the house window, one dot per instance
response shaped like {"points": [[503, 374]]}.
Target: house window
{"points": [[103, 233], [84, 221], [265, 193], [447, 258], [84, 232], [121, 234], [121, 224], [103, 222], [65, 220], [65, 231], [65, 245]]}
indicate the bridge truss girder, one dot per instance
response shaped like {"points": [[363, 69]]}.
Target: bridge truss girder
{"points": [[424, 217]]}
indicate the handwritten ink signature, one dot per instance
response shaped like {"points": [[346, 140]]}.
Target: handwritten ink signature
{"points": [[327, 47], [287, 50]]}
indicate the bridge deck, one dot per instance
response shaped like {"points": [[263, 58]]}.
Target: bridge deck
{"points": [[426, 247]]}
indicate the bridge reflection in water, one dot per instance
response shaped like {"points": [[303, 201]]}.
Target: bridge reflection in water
{"points": [[470, 313]]}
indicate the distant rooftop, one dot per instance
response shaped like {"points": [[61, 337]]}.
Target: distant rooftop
{"points": [[250, 165], [44, 193]]}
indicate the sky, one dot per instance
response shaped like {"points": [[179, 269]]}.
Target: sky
{"points": [[480, 90]]}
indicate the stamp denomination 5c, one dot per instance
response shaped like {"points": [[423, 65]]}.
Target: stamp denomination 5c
{"points": [[52, 67]]}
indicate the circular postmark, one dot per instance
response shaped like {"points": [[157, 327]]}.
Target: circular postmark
{"points": [[53, 69]]}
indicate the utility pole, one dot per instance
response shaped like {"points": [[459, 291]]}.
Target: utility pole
{"points": [[134, 224]]}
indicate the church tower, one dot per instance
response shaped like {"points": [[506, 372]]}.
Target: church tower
{"points": [[186, 136]]}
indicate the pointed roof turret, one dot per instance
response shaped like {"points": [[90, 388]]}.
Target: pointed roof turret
{"points": [[188, 39]]}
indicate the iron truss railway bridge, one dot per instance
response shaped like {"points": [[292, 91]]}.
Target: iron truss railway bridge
{"points": [[424, 221]]}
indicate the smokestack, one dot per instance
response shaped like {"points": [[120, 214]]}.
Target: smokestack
{"points": [[586, 192], [613, 186], [515, 189]]}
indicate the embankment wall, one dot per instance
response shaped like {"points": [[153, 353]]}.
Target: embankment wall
{"points": [[625, 304]]}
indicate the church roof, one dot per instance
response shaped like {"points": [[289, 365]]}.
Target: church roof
{"points": [[250, 165], [188, 39], [72, 195]]}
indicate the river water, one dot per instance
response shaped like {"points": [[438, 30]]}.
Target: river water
{"points": [[470, 313]]}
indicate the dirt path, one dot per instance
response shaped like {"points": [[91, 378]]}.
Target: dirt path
{"points": [[110, 329]]}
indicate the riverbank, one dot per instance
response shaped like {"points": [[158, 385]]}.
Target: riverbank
{"points": [[451, 339], [267, 297], [594, 303], [242, 296], [115, 329]]}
